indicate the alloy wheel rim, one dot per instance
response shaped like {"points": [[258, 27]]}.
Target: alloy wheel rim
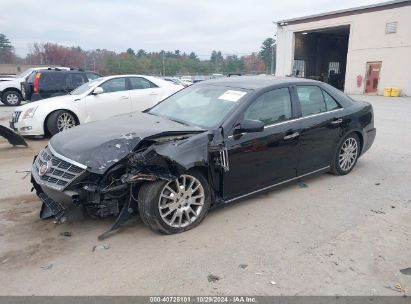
{"points": [[181, 201], [12, 98], [348, 154], [65, 121]]}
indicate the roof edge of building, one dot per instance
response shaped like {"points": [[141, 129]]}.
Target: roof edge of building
{"points": [[346, 12]]}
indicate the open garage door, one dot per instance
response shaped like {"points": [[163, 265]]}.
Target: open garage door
{"points": [[321, 54]]}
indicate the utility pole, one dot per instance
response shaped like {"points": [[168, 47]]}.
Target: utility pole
{"points": [[164, 68]]}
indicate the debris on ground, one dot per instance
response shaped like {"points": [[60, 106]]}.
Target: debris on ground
{"points": [[46, 266], [406, 271], [243, 266], [398, 287], [26, 173], [259, 273], [392, 207], [5, 260], [104, 246], [377, 184], [377, 211], [213, 278], [12, 137], [272, 283], [66, 233], [302, 184]]}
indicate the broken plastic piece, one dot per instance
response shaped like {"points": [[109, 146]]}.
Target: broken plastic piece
{"points": [[12, 137], [213, 278], [406, 271], [302, 184], [46, 266]]}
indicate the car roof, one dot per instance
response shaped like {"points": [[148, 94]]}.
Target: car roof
{"points": [[256, 82], [63, 71]]}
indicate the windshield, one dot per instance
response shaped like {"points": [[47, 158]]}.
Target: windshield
{"points": [[85, 87], [24, 74], [203, 106]]}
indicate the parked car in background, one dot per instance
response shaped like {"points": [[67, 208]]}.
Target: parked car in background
{"points": [[186, 80], [212, 143], [175, 80], [98, 99], [54, 82], [10, 87]]}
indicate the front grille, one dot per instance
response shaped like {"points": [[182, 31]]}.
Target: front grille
{"points": [[60, 172], [15, 116]]}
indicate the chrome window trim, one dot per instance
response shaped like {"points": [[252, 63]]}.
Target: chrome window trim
{"points": [[277, 184], [296, 119], [66, 159]]}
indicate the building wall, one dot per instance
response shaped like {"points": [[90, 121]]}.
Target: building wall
{"points": [[12, 69], [368, 42]]}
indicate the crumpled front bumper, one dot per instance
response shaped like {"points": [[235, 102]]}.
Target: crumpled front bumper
{"points": [[63, 205]]}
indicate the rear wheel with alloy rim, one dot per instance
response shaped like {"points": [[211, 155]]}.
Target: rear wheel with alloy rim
{"points": [[347, 155], [11, 98], [59, 121], [175, 206]]}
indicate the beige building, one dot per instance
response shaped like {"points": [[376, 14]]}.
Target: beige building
{"points": [[13, 69], [359, 50]]}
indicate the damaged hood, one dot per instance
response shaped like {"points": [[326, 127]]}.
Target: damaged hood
{"points": [[99, 145]]}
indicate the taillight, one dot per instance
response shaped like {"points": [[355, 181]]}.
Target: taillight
{"points": [[36, 83]]}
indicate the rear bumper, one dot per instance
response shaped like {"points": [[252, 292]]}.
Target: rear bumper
{"points": [[369, 138]]}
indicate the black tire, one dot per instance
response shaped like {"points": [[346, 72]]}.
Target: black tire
{"points": [[11, 98], [53, 119], [149, 205], [336, 167]]}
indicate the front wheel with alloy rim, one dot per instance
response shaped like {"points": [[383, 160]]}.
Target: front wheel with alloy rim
{"points": [[11, 98], [59, 121], [174, 206], [347, 155]]}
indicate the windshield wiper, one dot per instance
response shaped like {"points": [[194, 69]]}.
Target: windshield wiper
{"points": [[178, 121]]}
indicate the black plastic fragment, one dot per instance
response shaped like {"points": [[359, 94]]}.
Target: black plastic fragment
{"points": [[12, 137]]}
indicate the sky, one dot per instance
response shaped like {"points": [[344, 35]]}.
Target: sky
{"points": [[234, 27]]}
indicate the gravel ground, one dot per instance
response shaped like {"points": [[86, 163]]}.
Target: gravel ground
{"points": [[345, 235]]}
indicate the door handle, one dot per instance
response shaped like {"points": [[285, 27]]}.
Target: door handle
{"points": [[336, 122], [291, 136], [124, 97], [153, 93]]}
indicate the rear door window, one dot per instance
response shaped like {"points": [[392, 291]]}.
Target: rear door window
{"points": [[311, 100], [114, 85], [138, 83]]}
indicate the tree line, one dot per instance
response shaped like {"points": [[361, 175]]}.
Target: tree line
{"points": [[141, 61]]}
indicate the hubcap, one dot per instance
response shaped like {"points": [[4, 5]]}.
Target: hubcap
{"points": [[12, 98], [65, 121], [348, 154], [181, 201]]}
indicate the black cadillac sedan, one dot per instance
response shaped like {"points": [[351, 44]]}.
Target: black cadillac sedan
{"points": [[209, 144]]}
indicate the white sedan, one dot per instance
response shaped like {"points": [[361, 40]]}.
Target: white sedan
{"points": [[95, 100]]}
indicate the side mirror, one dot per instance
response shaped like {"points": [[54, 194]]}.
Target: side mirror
{"points": [[98, 90], [250, 126]]}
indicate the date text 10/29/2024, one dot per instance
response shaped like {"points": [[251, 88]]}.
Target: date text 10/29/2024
{"points": [[202, 299]]}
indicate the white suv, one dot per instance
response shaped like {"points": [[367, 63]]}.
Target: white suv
{"points": [[10, 87]]}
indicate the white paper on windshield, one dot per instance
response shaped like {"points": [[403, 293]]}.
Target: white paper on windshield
{"points": [[231, 95]]}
